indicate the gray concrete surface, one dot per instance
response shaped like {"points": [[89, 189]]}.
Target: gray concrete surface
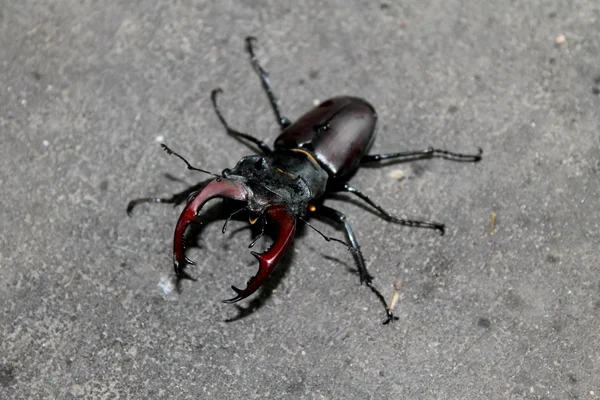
{"points": [[87, 87]]}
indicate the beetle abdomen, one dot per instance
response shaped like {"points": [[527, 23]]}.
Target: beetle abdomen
{"points": [[338, 132]]}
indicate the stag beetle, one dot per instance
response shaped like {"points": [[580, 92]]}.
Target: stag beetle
{"points": [[312, 158]]}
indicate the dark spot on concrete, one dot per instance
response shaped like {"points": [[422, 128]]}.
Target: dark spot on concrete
{"points": [[596, 90], [296, 388], [551, 258], [597, 80], [572, 378], [6, 375], [597, 305], [552, 60], [437, 266], [477, 77], [313, 74], [553, 14], [452, 109], [104, 185], [301, 82], [427, 289], [418, 169], [384, 6], [484, 322], [513, 301], [36, 75], [558, 325], [381, 373], [68, 361]]}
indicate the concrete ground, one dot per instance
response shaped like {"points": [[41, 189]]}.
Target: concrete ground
{"points": [[87, 309]]}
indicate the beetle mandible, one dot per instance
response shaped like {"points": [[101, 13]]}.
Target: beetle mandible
{"points": [[311, 159]]}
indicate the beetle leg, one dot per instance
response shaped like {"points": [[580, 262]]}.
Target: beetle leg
{"points": [[266, 84], [327, 238], [237, 134], [175, 199], [229, 219], [263, 223], [429, 152], [269, 259], [340, 218], [365, 277], [390, 218]]}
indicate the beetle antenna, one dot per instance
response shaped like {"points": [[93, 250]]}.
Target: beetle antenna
{"points": [[329, 238], [189, 166]]}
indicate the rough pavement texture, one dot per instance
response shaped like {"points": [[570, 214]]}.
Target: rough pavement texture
{"points": [[86, 90]]}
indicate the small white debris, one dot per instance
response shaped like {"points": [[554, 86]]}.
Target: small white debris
{"points": [[24, 102], [132, 351], [397, 174], [560, 39], [45, 143], [159, 139], [166, 285], [316, 102]]}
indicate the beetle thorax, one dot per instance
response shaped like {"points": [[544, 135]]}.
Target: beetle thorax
{"points": [[283, 177]]}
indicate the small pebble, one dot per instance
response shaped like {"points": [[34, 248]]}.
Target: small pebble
{"points": [[397, 174]]}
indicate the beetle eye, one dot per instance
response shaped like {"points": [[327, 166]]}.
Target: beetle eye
{"points": [[260, 164]]}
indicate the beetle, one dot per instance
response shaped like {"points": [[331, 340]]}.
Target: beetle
{"points": [[311, 159]]}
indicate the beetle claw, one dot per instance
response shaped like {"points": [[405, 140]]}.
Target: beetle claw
{"points": [[218, 187], [268, 260], [236, 298], [190, 262], [233, 300], [237, 290]]}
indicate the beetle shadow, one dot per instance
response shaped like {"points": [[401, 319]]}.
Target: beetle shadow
{"points": [[349, 269]]}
